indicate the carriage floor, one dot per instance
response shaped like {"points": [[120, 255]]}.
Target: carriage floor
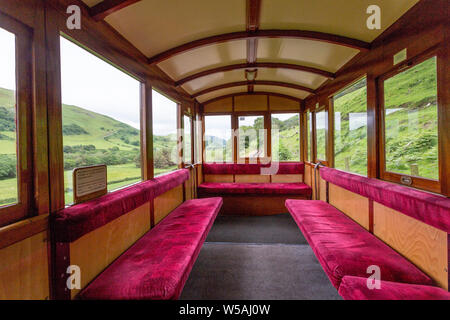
{"points": [[257, 258]]}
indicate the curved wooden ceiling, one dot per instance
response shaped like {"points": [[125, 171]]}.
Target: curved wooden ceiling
{"points": [[205, 46]]}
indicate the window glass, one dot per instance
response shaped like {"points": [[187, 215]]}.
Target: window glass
{"points": [[411, 121], [100, 115], [251, 136], [187, 143], [8, 135], [309, 133], [218, 139], [165, 151], [321, 123], [285, 137], [350, 128]]}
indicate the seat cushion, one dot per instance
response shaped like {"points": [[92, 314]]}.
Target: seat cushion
{"points": [[254, 168], [157, 265], [254, 189], [344, 248], [355, 288]]}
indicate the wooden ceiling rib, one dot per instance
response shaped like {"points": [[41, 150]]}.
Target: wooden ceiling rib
{"points": [[253, 16], [270, 65], [245, 35], [253, 83], [252, 93], [103, 9]]}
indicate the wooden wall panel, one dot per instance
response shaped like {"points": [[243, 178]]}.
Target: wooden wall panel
{"points": [[256, 205], [219, 178], [250, 103], [322, 189], [422, 244], [287, 178], [308, 175], [251, 178], [352, 204], [167, 202], [24, 269], [283, 104], [96, 250], [222, 105]]}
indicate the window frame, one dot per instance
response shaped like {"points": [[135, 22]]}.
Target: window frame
{"points": [[417, 182], [332, 114], [325, 109], [269, 135], [233, 136], [24, 105], [189, 116], [142, 110]]}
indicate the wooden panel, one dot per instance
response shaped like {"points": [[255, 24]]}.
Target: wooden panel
{"points": [[287, 178], [283, 104], [422, 244], [22, 230], [218, 178], [322, 189], [167, 202], [188, 187], [352, 204], [256, 205], [250, 103], [308, 175], [24, 269], [96, 250], [251, 178], [223, 105], [199, 175]]}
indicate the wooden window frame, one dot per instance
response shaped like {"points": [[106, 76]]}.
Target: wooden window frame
{"points": [[325, 109], [269, 134], [417, 182], [144, 107], [232, 120], [192, 161], [267, 145], [332, 121], [24, 106]]}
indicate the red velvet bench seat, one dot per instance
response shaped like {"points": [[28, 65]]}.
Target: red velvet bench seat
{"points": [[344, 248], [208, 189], [254, 189], [355, 288], [157, 266]]}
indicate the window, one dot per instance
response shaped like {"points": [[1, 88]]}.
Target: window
{"points": [[285, 137], [187, 140], [165, 151], [251, 136], [218, 139], [411, 121], [350, 128], [9, 193], [15, 125], [321, 135], [100, 115], [309, 133]]}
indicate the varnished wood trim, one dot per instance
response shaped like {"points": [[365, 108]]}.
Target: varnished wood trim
{"points": [[22, 230], [269, 65], [256, 82], [106, 7], [146, 132], [244, 35], [252, 93]]}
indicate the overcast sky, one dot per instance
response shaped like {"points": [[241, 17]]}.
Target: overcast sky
{"points": [[7, 60]]}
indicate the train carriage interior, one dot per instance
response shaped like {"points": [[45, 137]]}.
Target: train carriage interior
{"points": [[224, 150]]}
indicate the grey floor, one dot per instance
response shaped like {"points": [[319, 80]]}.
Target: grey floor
{"points": [[249, 258]]}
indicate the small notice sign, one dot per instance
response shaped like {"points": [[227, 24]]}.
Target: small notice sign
{"points": [[89, 183]]}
